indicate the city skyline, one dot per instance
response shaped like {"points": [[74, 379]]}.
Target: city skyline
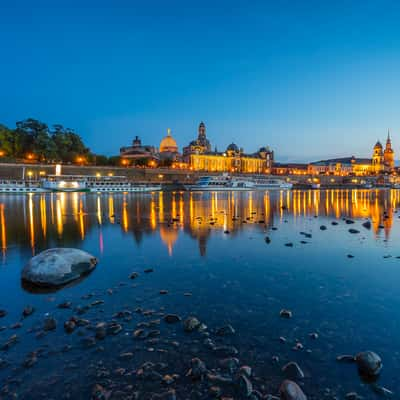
{"points": [[306, 79]]}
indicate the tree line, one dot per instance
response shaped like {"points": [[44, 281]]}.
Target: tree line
{"points": [[34, 141]]}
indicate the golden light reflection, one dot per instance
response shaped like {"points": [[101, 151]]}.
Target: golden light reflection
{"points": [[111, 211], [99, 215], [31, 223], [125, 221], [43, 215], [81, 220], [3, 231]]}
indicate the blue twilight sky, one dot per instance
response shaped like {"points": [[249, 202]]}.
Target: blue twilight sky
{"points": [[312, 79]]}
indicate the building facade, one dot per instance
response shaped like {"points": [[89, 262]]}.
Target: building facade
{"points": [[138, 151], [199, 157]]}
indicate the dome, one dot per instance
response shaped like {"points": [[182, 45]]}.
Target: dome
{"points": [[168, 144], [232, 147], [378, 145]]}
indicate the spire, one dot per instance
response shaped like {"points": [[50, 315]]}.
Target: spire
{"points": [[169, 132], [388, 136]]}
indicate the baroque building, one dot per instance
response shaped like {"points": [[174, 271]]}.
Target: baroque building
{"points": [[382, 161], [199, 157], [138, 151], [168, 148]]}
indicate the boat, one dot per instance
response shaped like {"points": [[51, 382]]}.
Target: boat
{"points": [[118, 184], [64, 183], [226, 182], [95, 183], [20, 186]]}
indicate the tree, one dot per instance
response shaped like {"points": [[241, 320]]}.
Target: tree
{"points": [[7, 141]]}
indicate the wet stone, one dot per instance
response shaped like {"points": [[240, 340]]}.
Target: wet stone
{"points": [[286, 313], [244, 385], [190, 324], [172, 318], [225, 330], [3, 313], [197, 368], [351, 230], [49, 324], [133, 275], [369, 363], [322, 228], [28, 310], [292, 370], [290, 390], [69, 326]]}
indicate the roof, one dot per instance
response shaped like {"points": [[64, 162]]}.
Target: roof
{"points": [[343, 160]]}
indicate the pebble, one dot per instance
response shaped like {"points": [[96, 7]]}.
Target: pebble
{"points": [[49, 324], [285, 313], [28, 310], [190, 324], [172, 318]]}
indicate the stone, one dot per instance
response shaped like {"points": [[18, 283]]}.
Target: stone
{"points": [[231, 364], [345, 358], [290, 390], [285, 313], [245, 387], [58, 266], [101, 330], [322, 228], [28, 310], [289, 244], [292, 370], [367, 225], [197, 368], [172, 318], [368, 363], [133, 275], [69, 326], [49, 324], [190, 324], [3, 313], [225, 330], [351, 230]]}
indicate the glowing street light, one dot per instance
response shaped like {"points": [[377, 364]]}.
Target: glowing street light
{"points": [[2, 153]]}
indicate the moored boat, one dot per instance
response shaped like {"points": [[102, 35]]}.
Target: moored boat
{"points": [[226, 182], [20, 186]]}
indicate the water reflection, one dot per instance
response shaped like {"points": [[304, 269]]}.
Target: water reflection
{"points": [[35, 222]]}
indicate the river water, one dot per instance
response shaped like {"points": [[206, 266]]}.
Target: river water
{"points": [[208, 252]]}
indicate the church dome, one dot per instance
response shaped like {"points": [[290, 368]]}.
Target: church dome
{"points": [[168, 144], [378, 145], [232, 147]]}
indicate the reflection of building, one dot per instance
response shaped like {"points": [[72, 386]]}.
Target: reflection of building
{"points": [[169, 236], [138, 151], [200, 157], [168, 148]]}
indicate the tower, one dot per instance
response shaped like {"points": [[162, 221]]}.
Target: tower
{"points": [[377, 158], [388, 154], [202, 132]]}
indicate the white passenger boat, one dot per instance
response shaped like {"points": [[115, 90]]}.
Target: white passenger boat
{"points": [[119, 184], [226, 182], [94, 183], [20, 186], [64, 183]]}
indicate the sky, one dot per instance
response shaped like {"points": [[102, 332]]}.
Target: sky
{"points": [[310, 79]]}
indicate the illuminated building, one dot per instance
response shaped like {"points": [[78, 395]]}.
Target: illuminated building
{"points": [[169, 148], [199, 146], [381, 161], [199, 157], [138, 151], [289, 169]]}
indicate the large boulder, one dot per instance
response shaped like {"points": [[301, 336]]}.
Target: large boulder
{"points": [[57, 267], [290, 390]]}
